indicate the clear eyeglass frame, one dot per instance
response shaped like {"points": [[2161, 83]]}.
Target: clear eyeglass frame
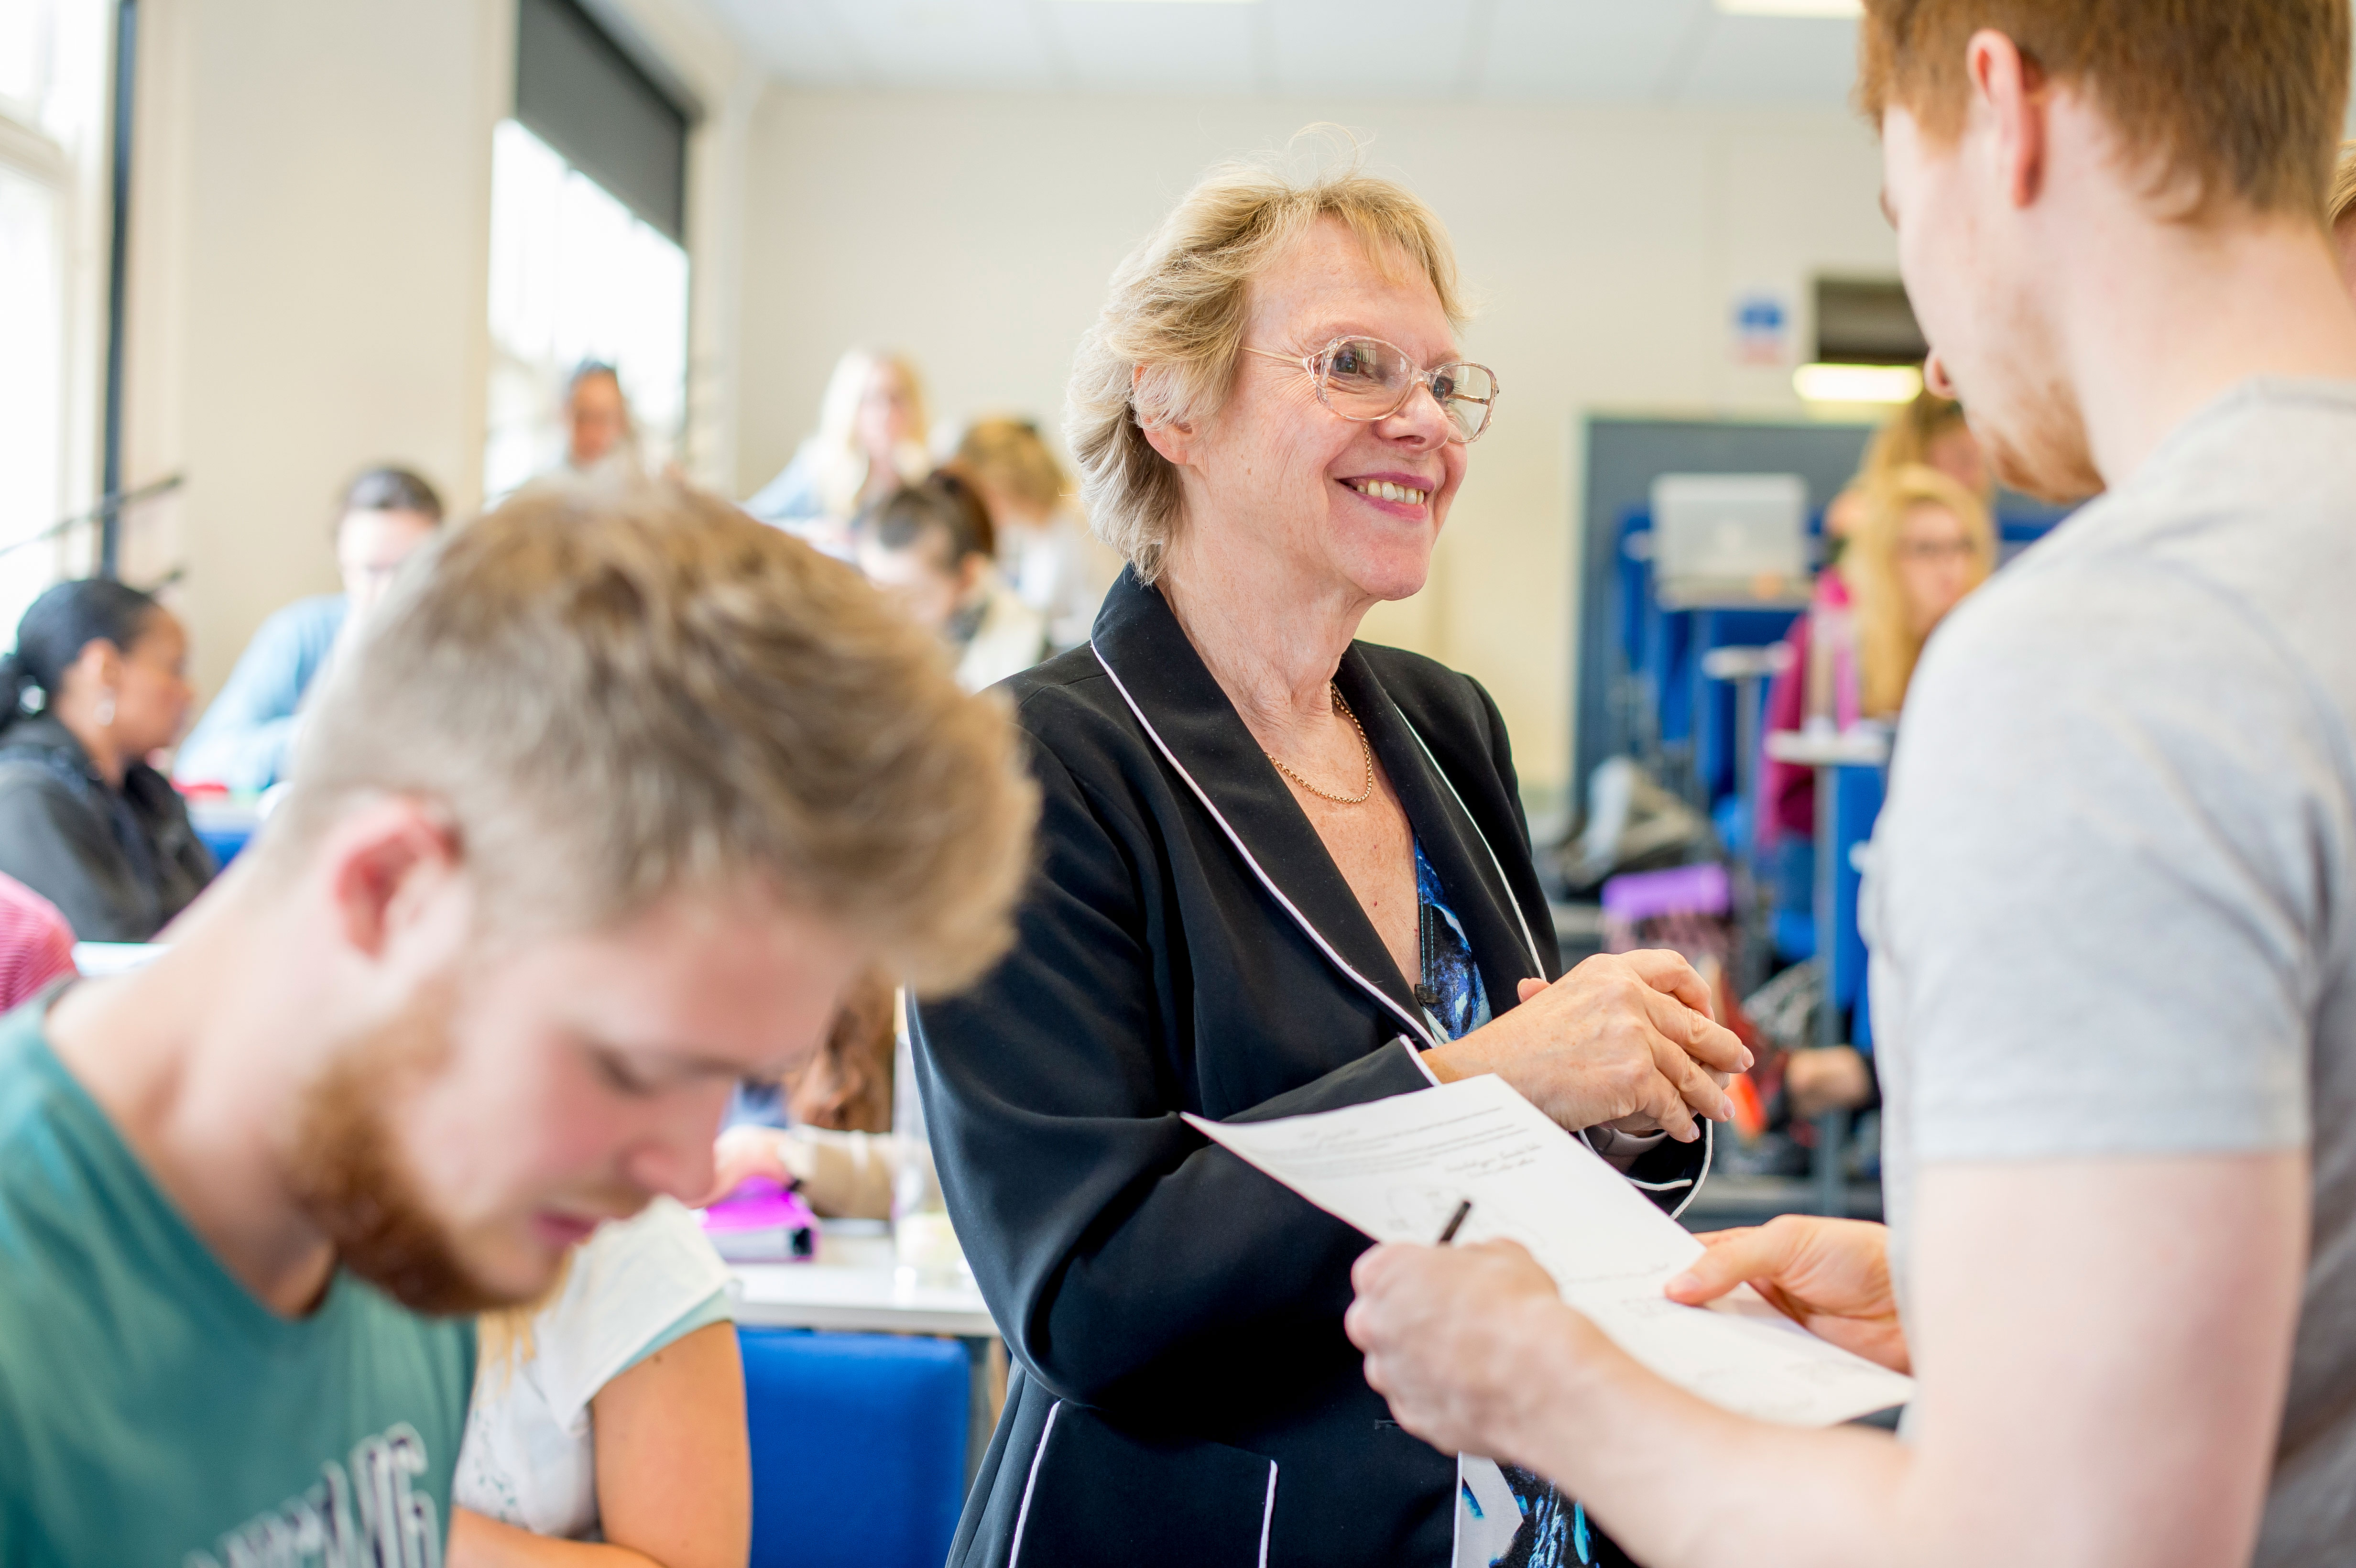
{"points": [[1319, 367]]}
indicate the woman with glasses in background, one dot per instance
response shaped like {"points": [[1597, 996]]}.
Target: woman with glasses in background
{"points": [[1922, 543], [1281, 871]]}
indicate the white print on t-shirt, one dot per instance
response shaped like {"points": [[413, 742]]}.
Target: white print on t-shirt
{"points": [[364, 1518]]}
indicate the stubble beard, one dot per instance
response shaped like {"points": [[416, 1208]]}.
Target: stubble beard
{"points": [[2037, 443], [347, 1171]]}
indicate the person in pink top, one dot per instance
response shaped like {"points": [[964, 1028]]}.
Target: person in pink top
{"points": [[36, 943]]}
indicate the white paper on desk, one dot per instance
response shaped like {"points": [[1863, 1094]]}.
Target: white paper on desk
{"points": [[1397, 1168]]}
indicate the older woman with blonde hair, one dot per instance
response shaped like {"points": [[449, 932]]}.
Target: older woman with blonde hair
{"points": [[871, 439], [1281, 871]]}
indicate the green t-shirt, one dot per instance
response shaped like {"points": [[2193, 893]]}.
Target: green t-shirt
{"points": [[154, 1413]]}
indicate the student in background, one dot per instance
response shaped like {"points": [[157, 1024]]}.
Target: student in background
{"points": [[246, 738], [929, 548], [1928, 433], [98, 681], [870, 440], [1923, 542], [825, 1131], [1045, 550], [36, 943], [601, 441], [618, 794], [607, 1426]]}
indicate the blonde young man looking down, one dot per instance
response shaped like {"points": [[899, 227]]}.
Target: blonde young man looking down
{"points": [[2115, 964], [596, 820]]}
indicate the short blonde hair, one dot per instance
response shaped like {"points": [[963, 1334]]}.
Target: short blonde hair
{"points": [[1887, 644], [2342, 203], [613, 694], [1177, 313], [1009, 455]]}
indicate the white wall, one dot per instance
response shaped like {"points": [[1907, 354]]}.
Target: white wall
{"points": [[1606, 246]]}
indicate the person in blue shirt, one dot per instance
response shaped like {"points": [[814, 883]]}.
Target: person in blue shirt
{"points": [[246, 738]]}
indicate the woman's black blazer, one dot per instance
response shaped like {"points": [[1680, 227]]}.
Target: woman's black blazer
{"points": [[1182, 1393]]}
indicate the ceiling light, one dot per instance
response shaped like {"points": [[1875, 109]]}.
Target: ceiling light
{"points": [[1858, 383], [1843, 10]]}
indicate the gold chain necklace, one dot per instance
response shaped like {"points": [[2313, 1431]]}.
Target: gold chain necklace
{"points": [[1364, 796]]}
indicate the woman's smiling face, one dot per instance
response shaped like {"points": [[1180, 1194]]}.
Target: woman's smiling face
{"points": [[1333, 503]]}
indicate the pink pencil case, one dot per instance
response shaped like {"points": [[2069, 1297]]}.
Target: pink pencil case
{"points": [[762, 1221]]}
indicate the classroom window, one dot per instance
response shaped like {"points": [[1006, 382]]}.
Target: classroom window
{"points": [[575, 275], [53, 91]]}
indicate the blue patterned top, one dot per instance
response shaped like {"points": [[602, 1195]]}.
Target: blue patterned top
{"points": [[1553, 1531], [1449, 987]]}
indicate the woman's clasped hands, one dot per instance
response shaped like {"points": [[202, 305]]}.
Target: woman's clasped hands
{"points": [[1624, 1039]]}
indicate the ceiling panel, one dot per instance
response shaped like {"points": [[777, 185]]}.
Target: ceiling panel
{"points": [[793, 40], [1170, 47], [1772, 60], [1592, 51], [1381, 48], [948, 43], [1586, 51]]}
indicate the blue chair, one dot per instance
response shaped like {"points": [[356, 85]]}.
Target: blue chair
{"points": [[1857, 804], [226, 843], [859, 1447]]}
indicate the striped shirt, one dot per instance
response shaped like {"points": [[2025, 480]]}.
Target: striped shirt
{"points": [[36, 943]]}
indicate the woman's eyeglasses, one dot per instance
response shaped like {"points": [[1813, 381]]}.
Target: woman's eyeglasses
{"points": [[1365, 379]]}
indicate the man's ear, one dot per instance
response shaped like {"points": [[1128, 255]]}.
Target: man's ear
{"points": [[2010, 91], [394, 871], [1174, 439]]}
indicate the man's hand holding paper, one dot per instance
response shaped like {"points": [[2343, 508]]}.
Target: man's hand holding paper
{"points": [[1396, 1168]]}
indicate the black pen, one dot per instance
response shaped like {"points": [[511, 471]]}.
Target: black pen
{"points": [[1454, 1221]]}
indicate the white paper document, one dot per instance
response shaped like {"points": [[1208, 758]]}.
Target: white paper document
{"points": [[1396, 1169]]}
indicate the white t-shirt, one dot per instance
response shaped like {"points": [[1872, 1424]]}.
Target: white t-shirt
{"points": [[529, 1458], [1060, 571]]}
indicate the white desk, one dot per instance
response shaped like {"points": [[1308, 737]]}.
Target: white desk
{"points": [[1860, 746], [96, 958], [855, 1287]]}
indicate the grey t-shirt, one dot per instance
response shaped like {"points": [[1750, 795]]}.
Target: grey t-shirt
{"points": [[2113, 899]]}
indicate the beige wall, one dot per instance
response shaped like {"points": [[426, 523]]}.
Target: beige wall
{"points": [[1606, 246], [311, 241], [310, 236]]}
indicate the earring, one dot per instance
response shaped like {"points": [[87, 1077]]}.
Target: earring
{"points": [[106, 710]]}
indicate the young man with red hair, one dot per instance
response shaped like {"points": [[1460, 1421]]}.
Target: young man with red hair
{"points": [[2113, 896]]}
